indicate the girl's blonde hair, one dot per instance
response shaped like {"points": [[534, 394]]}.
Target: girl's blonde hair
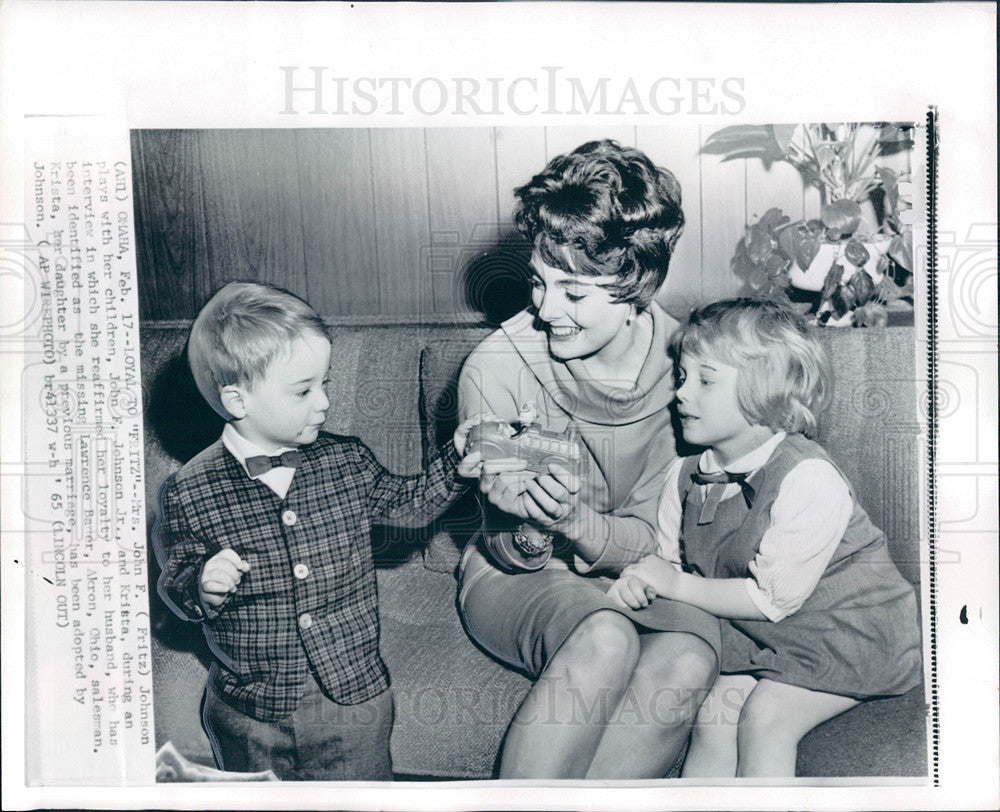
{"points": [[785, 376], [240, 332]]}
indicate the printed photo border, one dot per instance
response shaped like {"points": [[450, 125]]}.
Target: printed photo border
{"points": [[117, 80]]}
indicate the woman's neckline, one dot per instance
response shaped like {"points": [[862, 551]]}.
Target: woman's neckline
{"points": [[624, 377]]}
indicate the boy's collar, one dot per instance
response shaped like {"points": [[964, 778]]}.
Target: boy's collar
{"points": [[241, 448], [750, 461]]}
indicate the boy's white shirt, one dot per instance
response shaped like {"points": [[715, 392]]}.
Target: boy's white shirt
{"points": [[808, 520], [278, 479]]}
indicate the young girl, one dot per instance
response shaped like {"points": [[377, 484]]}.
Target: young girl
{"points": [[763, 531]]}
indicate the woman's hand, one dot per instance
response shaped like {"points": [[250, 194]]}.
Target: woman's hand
{"points": [[631, 592], [552, 500], [506, 489]]}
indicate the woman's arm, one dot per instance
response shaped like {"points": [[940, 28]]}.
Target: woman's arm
{"points": [[629, 532], [481, 390]]}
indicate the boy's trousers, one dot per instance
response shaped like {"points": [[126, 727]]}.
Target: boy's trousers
{"points": [[320, 741]]}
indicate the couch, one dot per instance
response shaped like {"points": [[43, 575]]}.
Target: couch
{"points": [[393, 385]]}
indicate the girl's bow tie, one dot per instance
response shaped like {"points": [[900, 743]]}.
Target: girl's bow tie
{"points": [[722, 478]]}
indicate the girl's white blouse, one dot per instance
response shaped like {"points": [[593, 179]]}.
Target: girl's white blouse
{"points": [[808, 520]]}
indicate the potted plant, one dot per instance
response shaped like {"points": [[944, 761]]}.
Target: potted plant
{"points": [[853, 263]]}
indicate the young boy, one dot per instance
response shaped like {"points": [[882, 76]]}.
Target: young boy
{"points": [[264, 538]]}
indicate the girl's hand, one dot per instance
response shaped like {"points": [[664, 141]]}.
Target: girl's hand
{"points": [[631, 592], [656, 571]]}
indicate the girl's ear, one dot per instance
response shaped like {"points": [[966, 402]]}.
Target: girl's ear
{"points": [[233, 401]]}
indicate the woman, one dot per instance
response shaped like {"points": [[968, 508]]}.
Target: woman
{"points": [[614, 695]]}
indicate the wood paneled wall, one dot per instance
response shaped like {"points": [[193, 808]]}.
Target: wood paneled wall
{"points": [[384, 222]]}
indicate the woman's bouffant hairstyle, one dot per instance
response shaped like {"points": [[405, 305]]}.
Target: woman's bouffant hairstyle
{"points": [[239, 333], [604, 210], [785, 376]]}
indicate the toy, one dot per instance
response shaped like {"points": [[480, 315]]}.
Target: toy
{"points": [[536, 447]]}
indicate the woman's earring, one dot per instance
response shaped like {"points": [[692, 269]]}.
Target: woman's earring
{"points": [[631, 313]]}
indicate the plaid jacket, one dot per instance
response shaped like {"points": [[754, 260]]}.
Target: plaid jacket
{"points": [[309, 599]]}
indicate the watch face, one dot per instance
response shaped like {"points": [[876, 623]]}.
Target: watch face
{"points": [[532, 546]]}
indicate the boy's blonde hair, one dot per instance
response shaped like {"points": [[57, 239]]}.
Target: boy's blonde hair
{"points": [[785, 376], [240, 332]]}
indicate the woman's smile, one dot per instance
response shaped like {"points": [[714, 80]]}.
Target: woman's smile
{"points": [[562, 333], [579, 313]]}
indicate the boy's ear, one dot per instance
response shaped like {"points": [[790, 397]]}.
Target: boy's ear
{"points": [[232, 399]]}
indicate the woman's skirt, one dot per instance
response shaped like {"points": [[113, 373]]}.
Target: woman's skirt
{"points": [[523, 618]]}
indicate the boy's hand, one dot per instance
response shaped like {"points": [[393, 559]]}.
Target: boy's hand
{"points": [[220, 576], [631, 592], [461, 435], [472, 465]]}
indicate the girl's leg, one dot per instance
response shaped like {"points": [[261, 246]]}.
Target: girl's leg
{"points": [[558, 726], [713, 738], [653, 719], [774, 718]]}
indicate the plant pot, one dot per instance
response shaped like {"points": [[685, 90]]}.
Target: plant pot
{"points": [[813, 277]]}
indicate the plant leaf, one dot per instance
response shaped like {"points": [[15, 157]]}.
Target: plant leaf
{"points": [[774, 218], [789, 241], [871, 315], [776, 264], [757, 278], [759, 249], [807, 251], [783, 134], [843, 300], [890, 182], [861, 285], [901, 250], [888, 291], [856, 253], [736, 138], [889, 178], [841, 216], [832, 280]]}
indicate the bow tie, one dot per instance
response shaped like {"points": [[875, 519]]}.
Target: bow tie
{"points": [[722, 478], [262, 464]]}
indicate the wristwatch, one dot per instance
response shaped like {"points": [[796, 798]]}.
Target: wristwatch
{"points": [[531, 545]]}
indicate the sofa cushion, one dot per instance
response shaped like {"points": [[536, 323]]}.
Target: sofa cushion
{"points": [[871, 430], [880, 737], [440, 362], [453, 701]]}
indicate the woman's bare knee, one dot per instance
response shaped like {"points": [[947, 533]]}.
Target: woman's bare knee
{"points": [[681, 660], [603, 648]]}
